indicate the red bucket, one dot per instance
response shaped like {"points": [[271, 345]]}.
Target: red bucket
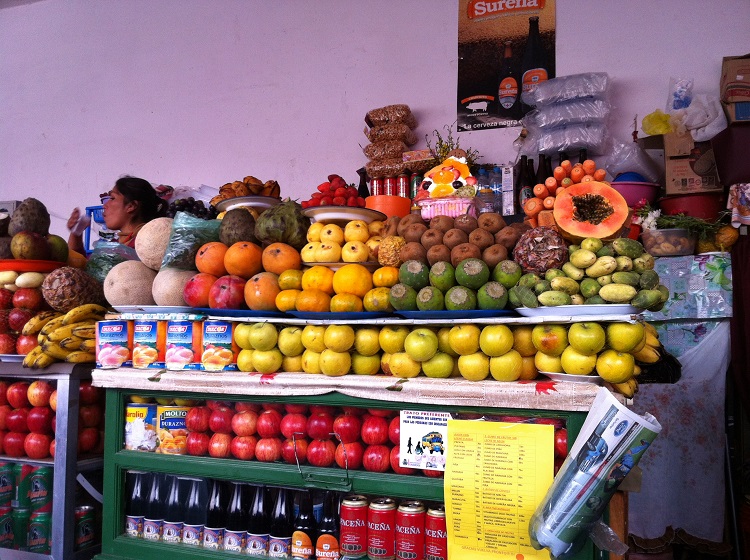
{"points": [[706, 206]]}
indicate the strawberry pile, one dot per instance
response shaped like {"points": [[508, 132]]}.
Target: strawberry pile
{"points": [[334, 192]]}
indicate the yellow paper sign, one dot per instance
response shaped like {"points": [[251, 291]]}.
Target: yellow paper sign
{"points": [[496, 475]]}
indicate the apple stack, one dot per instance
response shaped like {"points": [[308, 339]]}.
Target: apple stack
{"points": [[20, 299], [28, 419], [357, 242], [267, 350]]}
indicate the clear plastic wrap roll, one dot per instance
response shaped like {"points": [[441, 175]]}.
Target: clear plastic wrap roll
{"points": [[549, 141], [591, 85], [576, 111]]}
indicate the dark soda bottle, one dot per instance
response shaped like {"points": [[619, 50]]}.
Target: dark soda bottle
{"points": [[174, 512], [327, 544], [281, 529], [305, 529], [257, 524], [153, 520], [508, 92], [548, 167], [524, 186], [534, 67], [195, 513], [235, 531], [561, 157], [135, 508], [541, 170], [213, 531], [583, 155], [362, 190]]}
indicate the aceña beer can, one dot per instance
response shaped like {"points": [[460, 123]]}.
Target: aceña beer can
{"points": [[381, 529], [353, 526], [85, 527], [40, 531], [6, 527], [410, 518], [435, 534]]}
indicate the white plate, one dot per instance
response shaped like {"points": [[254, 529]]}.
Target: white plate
{"points": [[567, 378], [152, 309], [259, 202], [575, 310], [11, 357], [369, 265], [338, 214]]}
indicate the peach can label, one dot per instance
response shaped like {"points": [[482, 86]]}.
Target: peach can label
{"points": [[113, 342]]}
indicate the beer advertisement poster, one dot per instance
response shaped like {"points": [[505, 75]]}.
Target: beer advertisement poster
{"points": [[505, 47], [424, 438]]}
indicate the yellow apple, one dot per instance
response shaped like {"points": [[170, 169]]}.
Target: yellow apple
{"points": [[528, 368], [356, 230], [507, 367], [308, 251], [587, 337], [365, 365], [332, 233], [313, 232], [444, 344], [267, 361], [185, 402], [474, 367], [355, 252], [311, 361], [522, 341], [245, 360], [312, 337], [366, 341], [140, 400], [392, 338], [625, 337], [263, 336], [440, 366], [373, 245], [614, 366], [376, 227], [290, 341], [464, 339], [242, 335], [334, 363], [164, 401], [546, 362], [292, 364], [577, 363], [496, 340], [550, 339], [385, 366], [328, 252], [421, 344], [402, 365], [339, 338]]}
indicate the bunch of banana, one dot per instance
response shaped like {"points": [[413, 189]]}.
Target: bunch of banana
{"points": [[627, 388], [650, 353]]}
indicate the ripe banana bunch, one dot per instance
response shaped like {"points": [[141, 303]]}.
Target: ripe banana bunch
{"points": [[627, 388], [650, 353]]}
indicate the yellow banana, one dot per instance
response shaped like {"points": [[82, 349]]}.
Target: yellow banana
{"points": [[79, 357], [634, 384], [37, 322], [651, 328], [28, 359], [54, 350], [71, 343], [624, 389], [637, 370], [640, 345], [60, 333], [84, 312], [87, 345], [647, 355], [85, 331], [43, 360], [52, 324], [652, 340]]}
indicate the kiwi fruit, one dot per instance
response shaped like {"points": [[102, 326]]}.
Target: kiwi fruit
{"points": [[413, 232], [494, 254], [464, 251], [508, 237], [481, 238], [441, 223], [391, 226], [406, 221], [491, 221], [465, 222], [413, 251], [438, 253], [455, 237], [431, 237]]}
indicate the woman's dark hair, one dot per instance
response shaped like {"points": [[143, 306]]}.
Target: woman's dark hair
{"points": [[139, 190]]}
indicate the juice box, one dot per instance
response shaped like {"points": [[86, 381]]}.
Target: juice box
{"points": [[219, 349], [149, 343], [114, 339], [183, 345], [140, 427], [170, 429]]}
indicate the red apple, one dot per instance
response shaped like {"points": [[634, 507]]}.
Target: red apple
{"points": [[219, 404], [277, 406], [4, 411], [239, 406], [218, 445], [296, 408], [243, 447], [28, 298], [385, 413], [349, 455], [294, 449], [321, 453], [3, 390], [39, 420], [25, 343], [196, 290], [88, 394], [13, 444], [558, 464], [269, 423], [322, 409], [244, 423], [268, 450], [16, 420], [375, 430], [54, 423], [36, 446], [394, 430], [90, 415], [513, 419], [88, 439], [355, 410], [197, 443], [7, 343], [52, 447], [294, 424], [347, 427], [18, 317], [377, 458], [227, 292], [17, 394], [396, 462], [556, 422], [220, 420], [561, 443], [53, 400], [196, 419], [433, 474], [4, 326], [2, 437], [6, 298], [320, 425]]}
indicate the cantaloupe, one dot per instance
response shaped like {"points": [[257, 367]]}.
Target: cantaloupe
{"points": [[168, 286], [151, 242], [129, 283]]}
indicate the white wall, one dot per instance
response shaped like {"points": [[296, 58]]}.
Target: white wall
{"points": [[191, 92]]}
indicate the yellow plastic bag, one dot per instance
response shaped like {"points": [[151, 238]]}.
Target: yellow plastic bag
{"points": [[656, 123]]}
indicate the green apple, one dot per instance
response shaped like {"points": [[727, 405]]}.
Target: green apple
{"points": [[334, 363], [339, 338], [528, 368], [242, 335], [496, 340], [550, 339], [546, 362], [366, 341], [474, 367], [312, 338], [263, 336], [587, 337], [365, 365], [444, 344], [421, 344], [292, 364], [439, 366], [267, 361], [290, 341], [311, 361], [507, 367], [577, 363], [402, 365], [464, 339], [392, 338], [625, 337]]}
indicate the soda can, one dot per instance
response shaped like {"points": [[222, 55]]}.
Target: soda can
{"points": [[7, 484], [353, 526], [403, 185], [40, 532], [381, 529], [377, 187], [410, 519], [85, 534], [414, 181], [6, 527], [20, 522], [435, 534], [40, 489], [389, 186], [21, 477]]}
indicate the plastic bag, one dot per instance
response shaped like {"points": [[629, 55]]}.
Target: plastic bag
{"points": [[568, 112], [204, 193], [188, 235], [592, 85], [680, 94], [549, 141], [106, 255], [630, 157], [656, 123]]}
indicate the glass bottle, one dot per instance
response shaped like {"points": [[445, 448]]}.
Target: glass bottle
{"points": [[213, 532], [561, 157], [583, 155], [257, 524], [195, 514], [305, 529], [541, 170], [281, 527], [327, 544], [534, 67], [235, 530], [524, 188], [508, 94], [174, 514], [135, 508], [153, 520]]}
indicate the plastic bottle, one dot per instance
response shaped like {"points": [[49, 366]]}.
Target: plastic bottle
{"points": [[235, 530], [84, 221], [257, 525], [174, 513], [485, 196], [327, 544], [496, 184], [213, 532], [305, 529], [195, 513], [280, 537]]}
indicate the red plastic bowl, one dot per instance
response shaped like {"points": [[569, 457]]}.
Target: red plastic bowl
{"points": [[634, 192], [705, 206]]}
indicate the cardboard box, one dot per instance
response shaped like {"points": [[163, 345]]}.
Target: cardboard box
{"points": [[737, 113], [735, 79], [730, 150], [688, 166]]}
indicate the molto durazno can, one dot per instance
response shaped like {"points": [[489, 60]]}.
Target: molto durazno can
{"points": [[381, 529]]}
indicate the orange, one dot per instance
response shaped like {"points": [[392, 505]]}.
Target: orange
{"points": [[210, 258], [385, 277], [243, 259], [313, 300], [577, 173], [377, 299], [318, 278], [589, 166], [278, 257], [286, 300], [600, 174], [290, 280], [346, 302], [261, 291], [352, 279]]}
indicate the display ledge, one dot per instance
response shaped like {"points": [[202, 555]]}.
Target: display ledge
{"points": [[85, 554], [87, 463], [57, 370], [128, 547], [539, 394]]}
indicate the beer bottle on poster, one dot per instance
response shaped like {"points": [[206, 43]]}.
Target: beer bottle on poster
{"points": [[305, 529], [280, 537], [135, 509], [173, 513], [154, 518], [534, 67], [195, 514], [235, 529], [508, 94], [327, 544], [257, 525], [213, 532]]}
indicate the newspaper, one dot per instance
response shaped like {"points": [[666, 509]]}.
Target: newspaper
{"points": [[610, 443]]}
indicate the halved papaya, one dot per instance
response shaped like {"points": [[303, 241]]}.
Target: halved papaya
{"points": [[590, 209]]}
